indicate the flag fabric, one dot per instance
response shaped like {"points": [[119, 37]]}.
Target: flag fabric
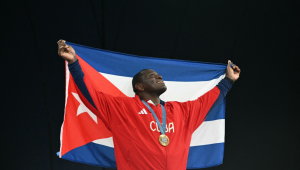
{"points": [[85, 138]]}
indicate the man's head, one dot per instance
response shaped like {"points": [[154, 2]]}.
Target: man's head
{"points": [[148, 81]]}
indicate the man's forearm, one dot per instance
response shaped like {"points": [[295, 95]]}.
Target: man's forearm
{"points": [[77, 74], [224, 86]]}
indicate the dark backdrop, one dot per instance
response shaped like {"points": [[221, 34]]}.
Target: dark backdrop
{"points": [[260, 36]]}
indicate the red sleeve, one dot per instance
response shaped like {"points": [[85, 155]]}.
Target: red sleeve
{"points": [[194, 112], [109, 108]]}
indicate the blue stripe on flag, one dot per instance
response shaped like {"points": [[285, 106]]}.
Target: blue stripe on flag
{"points": [[171, 70], [217, 112], [105, 156], [205, 156]]}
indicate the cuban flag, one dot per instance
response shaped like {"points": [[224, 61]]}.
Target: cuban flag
{"points": [[85, 138]]}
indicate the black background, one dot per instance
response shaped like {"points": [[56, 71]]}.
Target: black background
{"points": [[261, 37]]}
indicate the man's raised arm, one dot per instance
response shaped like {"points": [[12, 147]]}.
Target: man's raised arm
{"points": [[108, 108], [68, 53], [232, 74], [198, 109]]}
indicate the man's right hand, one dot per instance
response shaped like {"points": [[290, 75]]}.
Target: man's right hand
{"points": [[66, 51]]}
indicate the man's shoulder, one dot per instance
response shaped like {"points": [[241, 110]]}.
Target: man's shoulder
{"points": [[173, 103], [127, 98]]}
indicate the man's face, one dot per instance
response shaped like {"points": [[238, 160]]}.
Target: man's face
{"points": [[152, 82]]}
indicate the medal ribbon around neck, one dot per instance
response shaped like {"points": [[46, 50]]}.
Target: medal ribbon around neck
{"points": [[163, 139]]}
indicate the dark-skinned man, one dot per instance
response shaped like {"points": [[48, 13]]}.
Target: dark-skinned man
{"points": [[136, 145]]}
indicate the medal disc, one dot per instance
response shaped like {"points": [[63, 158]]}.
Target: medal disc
{"points": [[163, 140]]}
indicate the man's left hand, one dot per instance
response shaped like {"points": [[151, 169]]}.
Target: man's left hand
{"points": [[234, 72]]}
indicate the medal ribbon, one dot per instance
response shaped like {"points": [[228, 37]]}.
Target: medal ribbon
{"points": [[162, 127]]}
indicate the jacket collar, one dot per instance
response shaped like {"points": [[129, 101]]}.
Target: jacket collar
{"points": [[160, 102]]}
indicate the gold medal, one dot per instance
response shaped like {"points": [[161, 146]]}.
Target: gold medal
{"points": [[163, 140]]}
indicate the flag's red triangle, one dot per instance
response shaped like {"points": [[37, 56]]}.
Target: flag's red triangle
{"points": [[82, 129], [99, 81]]}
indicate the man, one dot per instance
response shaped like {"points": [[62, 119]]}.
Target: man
{"points": [[138, 146]]}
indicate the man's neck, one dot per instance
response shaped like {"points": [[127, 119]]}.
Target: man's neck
{"points": [[154, 98]]}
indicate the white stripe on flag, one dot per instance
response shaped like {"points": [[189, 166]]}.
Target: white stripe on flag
{"points": [[177, 91], [122, 83], [209, 132], [105, 141], [66, 100]]}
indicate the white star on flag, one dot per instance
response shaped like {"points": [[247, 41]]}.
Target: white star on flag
{"points": [[82, 108]]}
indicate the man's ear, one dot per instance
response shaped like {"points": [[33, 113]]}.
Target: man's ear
{"points": [[139, 86]]}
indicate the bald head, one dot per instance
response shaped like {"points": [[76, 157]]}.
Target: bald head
{"points": [[137, 79], [148, 81]]}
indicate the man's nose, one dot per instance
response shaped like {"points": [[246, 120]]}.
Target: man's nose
{"points": [[159, 77]]}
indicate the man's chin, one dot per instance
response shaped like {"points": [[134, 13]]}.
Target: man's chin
{"points": [[163, 89]]}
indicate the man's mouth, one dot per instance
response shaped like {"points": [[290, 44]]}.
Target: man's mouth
{"points": [[160, 82]]}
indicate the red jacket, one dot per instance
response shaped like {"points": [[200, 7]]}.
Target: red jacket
{"points": [[135, 135], [134, 129]]}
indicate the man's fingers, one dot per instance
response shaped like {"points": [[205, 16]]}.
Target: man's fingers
{"points": [[237, 69], [229, 63], [62, 50], [62, 46], [61, 42]]}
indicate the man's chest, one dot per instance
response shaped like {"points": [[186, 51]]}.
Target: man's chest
{"points": [[143, 120]]}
